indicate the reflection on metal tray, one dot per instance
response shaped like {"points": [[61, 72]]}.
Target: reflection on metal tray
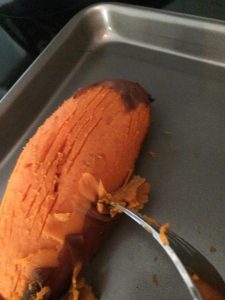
{"points": [[180, 61]]}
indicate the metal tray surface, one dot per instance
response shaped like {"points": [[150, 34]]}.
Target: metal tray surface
{"points": [[180, 60]]}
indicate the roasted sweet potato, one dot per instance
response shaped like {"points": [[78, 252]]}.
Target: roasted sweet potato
{"points": [[48, 225]]}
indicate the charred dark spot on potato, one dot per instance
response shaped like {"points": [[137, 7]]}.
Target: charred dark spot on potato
{"points": [[131, 92]]}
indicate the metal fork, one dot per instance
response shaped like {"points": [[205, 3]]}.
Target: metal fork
{"points": [[187, 260]]}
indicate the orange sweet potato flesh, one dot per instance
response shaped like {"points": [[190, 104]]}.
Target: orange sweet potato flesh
{"points": [[46, 224]]}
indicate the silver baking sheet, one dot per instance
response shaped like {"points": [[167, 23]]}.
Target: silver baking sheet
{"points": [[180, 60]]}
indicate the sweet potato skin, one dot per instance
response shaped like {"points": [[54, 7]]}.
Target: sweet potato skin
{"points": [[43, 217]]}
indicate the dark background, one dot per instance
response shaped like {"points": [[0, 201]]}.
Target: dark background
{"points": [[27, 26]]}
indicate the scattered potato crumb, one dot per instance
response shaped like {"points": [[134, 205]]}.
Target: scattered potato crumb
{"points": [[195, 277], [152, 154], [155, 280], [150, 220], [162, 233], [212, 249]]}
